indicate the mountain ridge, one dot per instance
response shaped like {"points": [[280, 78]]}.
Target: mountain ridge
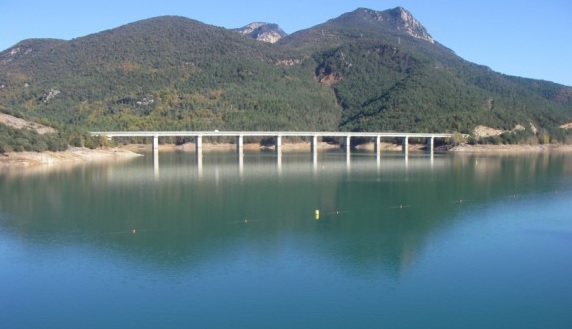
{"points": [[364, 70]]}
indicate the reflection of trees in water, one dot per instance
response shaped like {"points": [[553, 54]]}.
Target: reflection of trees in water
{"points": [[392, 219], [372, 220]]}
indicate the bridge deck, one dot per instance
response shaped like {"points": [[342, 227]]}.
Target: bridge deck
{"points": [[267, 133]]}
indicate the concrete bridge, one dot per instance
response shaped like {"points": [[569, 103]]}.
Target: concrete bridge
{"points": [[239, 135]]}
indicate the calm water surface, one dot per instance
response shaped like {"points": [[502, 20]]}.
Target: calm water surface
{"points": [[459, 241]]}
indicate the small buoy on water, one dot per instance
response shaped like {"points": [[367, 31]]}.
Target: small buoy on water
{"points": [[134, 231], [317, 214]]}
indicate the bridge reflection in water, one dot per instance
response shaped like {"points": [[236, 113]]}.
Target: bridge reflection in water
{"points": [[277, 135]]}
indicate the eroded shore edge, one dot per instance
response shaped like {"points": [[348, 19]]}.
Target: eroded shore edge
{"points": [[75, 154]]}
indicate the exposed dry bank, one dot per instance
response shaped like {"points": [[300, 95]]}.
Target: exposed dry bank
{"points": [[214, 147], [467, 148], [77, 155]]}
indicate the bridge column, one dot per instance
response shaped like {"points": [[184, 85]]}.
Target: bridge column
{"points": [[199, 146], [431, 144], [240, 145], [377, 146], [314, 149], [278, 145], [155, 145], [405, 146], [348, 148], [155, 150], [199, 150]]}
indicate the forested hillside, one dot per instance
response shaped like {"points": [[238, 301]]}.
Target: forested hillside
{"points": [[386, 79], [363, 71]]}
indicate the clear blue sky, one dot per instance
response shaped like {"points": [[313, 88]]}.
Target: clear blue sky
{"points": [[518, 37]]}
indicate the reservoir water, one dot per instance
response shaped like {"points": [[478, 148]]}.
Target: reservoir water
{"points": [[456, 241]]}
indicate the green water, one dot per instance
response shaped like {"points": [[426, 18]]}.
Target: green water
{"points": [[457, 241]]}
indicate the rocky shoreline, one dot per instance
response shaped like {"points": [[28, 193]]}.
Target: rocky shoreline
{"points": [[76, 154]]}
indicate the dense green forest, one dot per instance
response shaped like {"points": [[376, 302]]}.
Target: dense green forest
{"points": [[358, 72], [13, 139]]}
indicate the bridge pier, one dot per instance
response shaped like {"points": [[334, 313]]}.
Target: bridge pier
{"points": [[405, 145], [431, 144], [240, 145], [377, 146], [155, 145], [278, 144], [348, 147], [199, 144], [314, 149], [155, 151]]}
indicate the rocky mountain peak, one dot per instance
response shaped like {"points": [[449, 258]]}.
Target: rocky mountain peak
{"points": [[407, 23], [265, 32], [400, 19]]}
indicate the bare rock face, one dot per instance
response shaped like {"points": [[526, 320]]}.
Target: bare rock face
{"points": [[52, 93], [400, 19], [412, 26], [265, 32], [483, 131], [19, 123], [14, 53]]}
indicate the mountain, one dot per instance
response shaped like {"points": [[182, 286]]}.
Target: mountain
{"points": [[365, 70], [262, 32], [164, 73], [388, 73]]}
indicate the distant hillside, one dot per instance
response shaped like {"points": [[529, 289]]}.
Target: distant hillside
{"points": [[363, 71], [166, 73]]}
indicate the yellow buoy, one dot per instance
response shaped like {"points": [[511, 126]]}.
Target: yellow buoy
{"points": [[317, 214]]}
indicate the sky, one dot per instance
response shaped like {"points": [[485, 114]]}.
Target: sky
{"points": [[524, 38]]}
